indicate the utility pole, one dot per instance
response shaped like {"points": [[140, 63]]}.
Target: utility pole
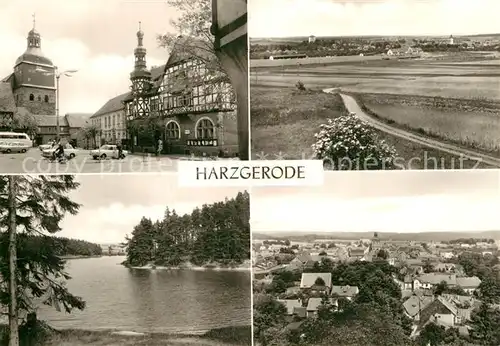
{"points": [[58, 129], [13, 318]]}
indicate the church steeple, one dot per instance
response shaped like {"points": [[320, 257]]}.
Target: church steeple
{"points": [[140, 78], [140, 51], [33, 36]]}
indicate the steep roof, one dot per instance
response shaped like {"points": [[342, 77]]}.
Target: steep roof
{"points": [[7, 102], [112, 105], [78, 120], [345, 291], [290, 304], [469, 282], [414, 304], [314, 303], [435, 279], [308, 279], [50, 120], [188, 47]]}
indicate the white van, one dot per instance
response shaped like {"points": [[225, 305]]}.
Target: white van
{"points": [[15, 142]]}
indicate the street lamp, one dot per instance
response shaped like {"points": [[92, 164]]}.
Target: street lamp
{"points": [[67, 73], [57, 74]]}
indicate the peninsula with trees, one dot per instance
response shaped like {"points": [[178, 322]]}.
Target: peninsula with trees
{"points": [[214, 236]]}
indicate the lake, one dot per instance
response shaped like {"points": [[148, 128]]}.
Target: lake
{"points": [[170, 301]]}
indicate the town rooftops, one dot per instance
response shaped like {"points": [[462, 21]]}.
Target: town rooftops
{"points": [[290, 304], [309, 279], [434, 279], [345, 291], [468, 282], [414, 304], [357, 251], [314, 303]]}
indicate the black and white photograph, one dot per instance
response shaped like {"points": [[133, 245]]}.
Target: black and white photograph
{"points": [[376, 84], [131, 264], [122, 86], [370, 259]]}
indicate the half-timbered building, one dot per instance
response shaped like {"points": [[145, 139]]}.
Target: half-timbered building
{"points": [[190, 105]]}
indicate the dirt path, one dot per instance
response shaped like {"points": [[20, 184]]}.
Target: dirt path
{"points": [[352, 106]]}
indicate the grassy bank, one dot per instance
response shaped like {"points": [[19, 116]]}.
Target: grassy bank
{"points": [[284, 120], [230, 336], [468, 123]]}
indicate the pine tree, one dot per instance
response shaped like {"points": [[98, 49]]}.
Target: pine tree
{"points": [[33, 207]]}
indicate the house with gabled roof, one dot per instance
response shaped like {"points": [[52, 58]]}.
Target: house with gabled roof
{"points": [[191, 107], [318, 282]]}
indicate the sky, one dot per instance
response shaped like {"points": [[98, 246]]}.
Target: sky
{"points": [[410, 201], [95, 37], [289, 18], [113, 204]]}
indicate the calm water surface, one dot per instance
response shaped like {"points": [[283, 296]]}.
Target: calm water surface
{"points": [[174, 301]]}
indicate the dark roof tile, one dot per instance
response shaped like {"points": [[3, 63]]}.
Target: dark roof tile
{"points": [[77, 120], [113, 105]]}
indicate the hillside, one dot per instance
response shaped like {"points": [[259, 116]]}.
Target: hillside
{"points": [[422, 236]]}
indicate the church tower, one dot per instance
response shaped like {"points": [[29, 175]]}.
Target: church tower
{"points": [[140, 78], [34, 78]]}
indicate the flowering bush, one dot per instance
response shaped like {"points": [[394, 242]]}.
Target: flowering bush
{"points": [[348, 143]]}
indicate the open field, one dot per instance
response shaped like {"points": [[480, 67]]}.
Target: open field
{"points": [[447, 99], [479, 58], [285, 120], [258, 63], [446, 119], [446, 78]]}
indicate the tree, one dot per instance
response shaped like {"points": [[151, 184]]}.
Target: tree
{"points": [[90, 132], [484, 325], [218, 233], [319, 282], [348, 143], [12, 212], [34, 271], [382, 254], [193, 22], [428, 267], [489, 289]]}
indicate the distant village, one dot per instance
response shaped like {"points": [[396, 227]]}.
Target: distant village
{"points": [[324, 47], [113, 250], [435, 287]]}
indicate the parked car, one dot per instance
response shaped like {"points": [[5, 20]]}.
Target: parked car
{"points": [[13, 147], [107, 151], [352, 113], [69, 151], [43, 147]]}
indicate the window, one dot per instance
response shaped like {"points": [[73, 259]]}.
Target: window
{"points": [[205, 129], [46, 98], [39, 98], [32, 97], [173, 130], [186, 99]]}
